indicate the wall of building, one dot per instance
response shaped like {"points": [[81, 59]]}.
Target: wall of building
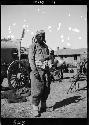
{"points": [[69, 59]]}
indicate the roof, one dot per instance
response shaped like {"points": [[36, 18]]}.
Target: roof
{"points": [[68, 51], [10, 44]]}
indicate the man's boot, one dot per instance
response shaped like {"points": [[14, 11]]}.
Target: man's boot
{"points": [[43, 106]]}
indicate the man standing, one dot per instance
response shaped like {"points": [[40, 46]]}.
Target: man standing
{"points": [[58, 65], [40, 87]]}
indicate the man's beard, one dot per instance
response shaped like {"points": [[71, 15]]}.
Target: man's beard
{"points": [[42, 43]]}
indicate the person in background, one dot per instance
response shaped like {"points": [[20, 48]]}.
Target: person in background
{"points": [[56, 64]]}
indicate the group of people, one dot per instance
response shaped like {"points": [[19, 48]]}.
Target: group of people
{"points": [[41, 60]]}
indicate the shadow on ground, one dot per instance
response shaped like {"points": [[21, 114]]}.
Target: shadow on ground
{"points": [[14, 96], [67, 101]]}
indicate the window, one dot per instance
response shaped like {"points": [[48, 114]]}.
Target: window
{"points": [[75, 57]]}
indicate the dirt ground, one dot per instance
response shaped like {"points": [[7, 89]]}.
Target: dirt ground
{"points": [[59, 103]]}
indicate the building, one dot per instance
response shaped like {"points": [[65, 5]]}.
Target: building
{"points": [[71, 56]]}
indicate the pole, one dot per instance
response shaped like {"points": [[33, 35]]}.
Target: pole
{"points": [[19, 52], [22, 36]]}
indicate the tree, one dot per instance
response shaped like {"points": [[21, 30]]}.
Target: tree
{"points": [[5, 39]]}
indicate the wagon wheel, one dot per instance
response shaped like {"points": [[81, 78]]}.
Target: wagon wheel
{"points": [[57, 75], [18, 75], [85, 69]]}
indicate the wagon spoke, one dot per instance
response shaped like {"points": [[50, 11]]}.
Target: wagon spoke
{"points": [[13, 83], [13, 77]]}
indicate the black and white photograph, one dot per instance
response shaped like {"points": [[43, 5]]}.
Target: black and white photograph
{"points": [[44, 61]]}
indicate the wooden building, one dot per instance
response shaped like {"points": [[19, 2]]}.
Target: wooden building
{"points": [[71, 56]]}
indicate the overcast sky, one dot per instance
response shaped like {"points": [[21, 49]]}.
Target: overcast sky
{"points": [[64, 25]]}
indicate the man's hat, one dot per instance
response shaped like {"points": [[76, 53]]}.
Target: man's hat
{"points": [[40, 33], [52, 52]]}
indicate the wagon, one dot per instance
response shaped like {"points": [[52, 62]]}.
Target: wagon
{"points": [[15, 64], [81, 73]]}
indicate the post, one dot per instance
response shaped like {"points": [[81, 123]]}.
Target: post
{"points": [[22, 36], [19, 52]]}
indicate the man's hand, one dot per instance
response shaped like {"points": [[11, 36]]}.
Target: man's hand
{"points": [[36, 73]]}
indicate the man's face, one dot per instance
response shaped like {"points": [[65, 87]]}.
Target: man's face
{"points": [[40, 39]]}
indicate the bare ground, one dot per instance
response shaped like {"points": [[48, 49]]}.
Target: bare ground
{"points": [[59, 103]]}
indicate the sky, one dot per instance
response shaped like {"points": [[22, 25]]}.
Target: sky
{"points": [[64, 25]]}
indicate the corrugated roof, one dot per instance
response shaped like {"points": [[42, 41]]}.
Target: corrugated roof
{"points": [[10, 44], [70, 51]]}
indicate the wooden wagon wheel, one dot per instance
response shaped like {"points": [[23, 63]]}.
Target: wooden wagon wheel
{"points": [[18, 75], [81, 70]]}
